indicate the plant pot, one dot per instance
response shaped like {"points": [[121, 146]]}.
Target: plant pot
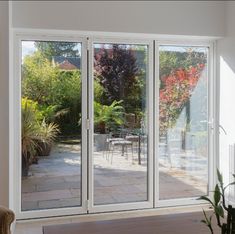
{"points": [[24, 167], [44, 149], [100, 141]]}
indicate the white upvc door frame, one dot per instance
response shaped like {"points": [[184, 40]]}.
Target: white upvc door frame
{"points": [[212, 122], [15, 140], [130, 205], [87, 108]]}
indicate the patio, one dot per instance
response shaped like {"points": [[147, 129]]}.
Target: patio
{"points": [[56, 180]]}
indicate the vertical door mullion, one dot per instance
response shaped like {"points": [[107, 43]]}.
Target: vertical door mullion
{"points": [[150, 111], [90, 98], [212, 130], [156, 125], [84, 151]]}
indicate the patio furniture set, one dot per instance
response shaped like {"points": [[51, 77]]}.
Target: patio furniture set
{"points": [[125, 143]]}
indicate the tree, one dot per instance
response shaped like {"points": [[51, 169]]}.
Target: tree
{"points": [[116, 70], [57, 92], [54, 48], [175, 93], [173, 60], [38, 78]]}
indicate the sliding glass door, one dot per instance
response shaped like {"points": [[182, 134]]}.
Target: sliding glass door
{"points": [[183, 121], [121, 158], [111, 124], [53, 146]]}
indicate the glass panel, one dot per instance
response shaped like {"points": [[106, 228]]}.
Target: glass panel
{"points": [[51, 128], [183, 113], [120, 123]]}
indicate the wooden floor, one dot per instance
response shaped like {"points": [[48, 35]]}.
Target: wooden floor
{"points": [[188, 223]]}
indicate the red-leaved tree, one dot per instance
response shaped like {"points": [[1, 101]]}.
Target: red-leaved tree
{"points": [[176, 90]]}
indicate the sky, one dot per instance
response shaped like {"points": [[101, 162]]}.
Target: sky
{"points": [[28, 48]]}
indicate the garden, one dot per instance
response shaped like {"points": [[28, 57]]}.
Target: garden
{"points": [[52, 99], [51, 95]]}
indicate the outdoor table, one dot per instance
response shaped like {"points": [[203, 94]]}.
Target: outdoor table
{"points": [[136, 138], [122, 143], [109, 140]]}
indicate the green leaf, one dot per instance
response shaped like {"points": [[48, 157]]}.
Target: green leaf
{"points": [[205, 198], [217, 195], [220, 177], [219, 210]]}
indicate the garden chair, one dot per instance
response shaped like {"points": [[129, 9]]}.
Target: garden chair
{"points": [[124, 146]]}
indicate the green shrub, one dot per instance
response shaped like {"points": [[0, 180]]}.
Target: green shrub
{"points": [[57, 92], [108, 116]]}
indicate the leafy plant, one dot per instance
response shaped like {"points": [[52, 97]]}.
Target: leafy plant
{"points": [[106, 117], [220, 208], [36, 133], [52, 113], [49, 132], [30, 132], [30, 128]]}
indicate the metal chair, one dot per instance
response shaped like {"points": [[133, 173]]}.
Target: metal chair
{"points": [[124, 144]]}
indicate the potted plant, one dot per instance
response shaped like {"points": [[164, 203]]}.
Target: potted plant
{"points": [[30, 134], [48, 134], [106, 118], [221, 210]]}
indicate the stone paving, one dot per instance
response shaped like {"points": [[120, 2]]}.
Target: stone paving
{"points": [[55, 181]]}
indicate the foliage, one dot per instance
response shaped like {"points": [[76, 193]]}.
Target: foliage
{"points": [[108, 117], [58, 93], [98, 91], [57, 48], [38, 78], [174, 60], [52, 113], [49, 132], [175, 92], [34, 130], [30, 128], [118, 76], [116, 71], [219, 207]]}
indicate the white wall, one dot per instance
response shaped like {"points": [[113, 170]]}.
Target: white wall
{"points": [[200, 18], [4, 107], [226, 65]]}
